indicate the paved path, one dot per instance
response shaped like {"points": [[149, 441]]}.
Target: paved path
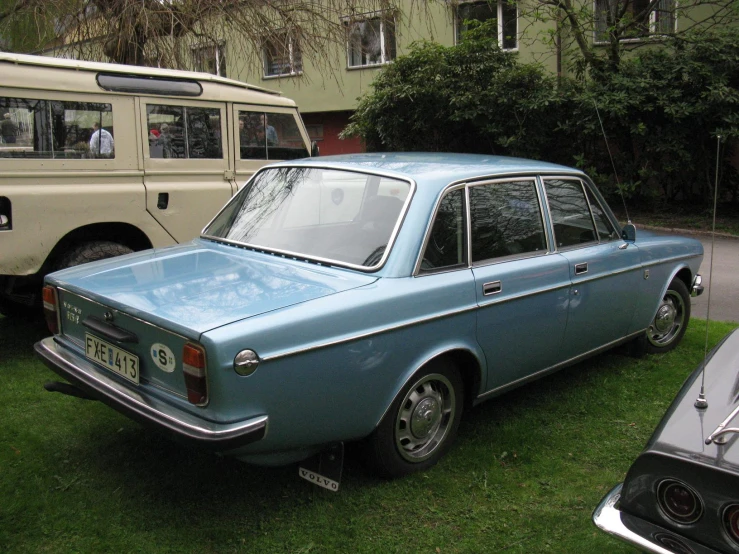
{"points": [[725, 293]]}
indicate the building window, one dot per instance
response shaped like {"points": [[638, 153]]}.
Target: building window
{"points": [[370, 41], [315, 131], [210, 59], [282, 56], [504, 11], [642, 22]]}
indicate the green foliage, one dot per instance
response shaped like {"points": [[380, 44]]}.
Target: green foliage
{"points": [[662, 112], [472, 97]]}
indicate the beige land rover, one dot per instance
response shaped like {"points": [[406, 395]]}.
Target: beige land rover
{"points": [[98, 160]]}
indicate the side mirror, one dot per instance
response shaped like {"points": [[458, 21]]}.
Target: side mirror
{"points": [[628, 233], [314, 150]]}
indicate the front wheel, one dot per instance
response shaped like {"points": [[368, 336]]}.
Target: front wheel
{"points": [[421, 423], [671, 320]]}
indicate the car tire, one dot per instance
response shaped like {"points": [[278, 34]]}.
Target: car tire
{"points": [[10, 308], [421, 423], [667, 328], [91, 252]]}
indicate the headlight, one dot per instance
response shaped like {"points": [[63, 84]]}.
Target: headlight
{"points": [[731, 522], [679, 502]]}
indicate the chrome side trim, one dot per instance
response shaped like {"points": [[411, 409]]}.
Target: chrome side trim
{"points": [[361, 336], [668, 260], [551, 369], [608, 518], [147, 409], [419, 321]]}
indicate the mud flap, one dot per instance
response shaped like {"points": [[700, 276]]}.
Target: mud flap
{"points": [[324, 469]]}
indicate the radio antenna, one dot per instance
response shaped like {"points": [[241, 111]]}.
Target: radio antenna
{"points": [[701, 403], [613, 165]]}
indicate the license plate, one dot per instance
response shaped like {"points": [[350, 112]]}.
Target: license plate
{"points": [[122, 362]]}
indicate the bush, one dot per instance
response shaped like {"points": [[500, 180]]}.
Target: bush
{"points": [[472, 97], [662, 111]]}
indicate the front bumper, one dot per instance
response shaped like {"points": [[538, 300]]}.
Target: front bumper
{"points": [[697, 288], [147, 410], [641, 533]]}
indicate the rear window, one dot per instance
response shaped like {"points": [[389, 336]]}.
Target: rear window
{"points": [[341, 216]]}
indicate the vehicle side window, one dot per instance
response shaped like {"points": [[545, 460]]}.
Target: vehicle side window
{"points": [[269, 136], [55, 129], [506, 220], [184, 132], [570, 212], [603, 225], [446, 246]]}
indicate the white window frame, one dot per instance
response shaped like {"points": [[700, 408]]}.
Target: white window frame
{"points": [[499, 21], [383, 17], [653, 25], [220, 54], [293, 46]]}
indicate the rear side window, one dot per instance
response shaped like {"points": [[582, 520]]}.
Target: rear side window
{"points": [[505, 220], [269, 136], [446, 247], [184, 132], [55, 129]]}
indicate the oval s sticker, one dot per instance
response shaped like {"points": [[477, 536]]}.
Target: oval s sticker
{"points": [[163, 357]]}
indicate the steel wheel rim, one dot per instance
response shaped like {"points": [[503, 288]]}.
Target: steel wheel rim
{"points": [[424, 418], [668, 321]]}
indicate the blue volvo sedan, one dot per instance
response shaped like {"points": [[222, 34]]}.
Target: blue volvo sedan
{"points": [[365, 298]]}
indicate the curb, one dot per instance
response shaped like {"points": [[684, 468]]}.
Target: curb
{"points": [[680, 231]]}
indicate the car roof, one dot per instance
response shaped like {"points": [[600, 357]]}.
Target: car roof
{"points": [[433, 167], [82, 65]]}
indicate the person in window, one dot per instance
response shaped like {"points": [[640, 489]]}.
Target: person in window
{"points": [[101, 141], [9, 129], [164, 142], [271, 133]]}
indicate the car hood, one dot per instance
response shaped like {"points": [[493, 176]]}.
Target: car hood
{"points": [[203, 285], [684, 428]]}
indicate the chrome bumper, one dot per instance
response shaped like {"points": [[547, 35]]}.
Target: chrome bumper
{"points": [[646, 536], [697, 288], [147, 410]]}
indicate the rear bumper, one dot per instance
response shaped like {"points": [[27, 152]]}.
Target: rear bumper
{"points": [[646, 536], [147, 410]]}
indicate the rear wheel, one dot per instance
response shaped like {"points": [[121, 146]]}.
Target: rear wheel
{"points": [[670, 322], [421, 424], [91, 252]]}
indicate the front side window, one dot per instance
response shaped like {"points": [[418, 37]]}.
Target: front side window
{"points": [[570, 212], [270, 136], [446, 247], [282, 55], [55, 129], [184, 132], [635, 17], [504, 11], [333, 215], [505, 220], [370, 41], [210, 59]]}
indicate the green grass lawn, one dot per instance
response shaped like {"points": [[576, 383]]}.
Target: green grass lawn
{"points": [[524, 476]]}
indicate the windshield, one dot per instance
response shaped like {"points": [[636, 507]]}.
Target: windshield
{"points": [[339, 216]]}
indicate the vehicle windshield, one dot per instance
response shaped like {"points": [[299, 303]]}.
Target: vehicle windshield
{"points": [[326, 214]]}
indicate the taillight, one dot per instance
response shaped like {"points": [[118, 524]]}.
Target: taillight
{"points": [[679, 502], [193, 366], [51, 308], [731, 522]]}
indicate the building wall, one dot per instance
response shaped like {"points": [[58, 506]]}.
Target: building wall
{"points": [[327, 99]]}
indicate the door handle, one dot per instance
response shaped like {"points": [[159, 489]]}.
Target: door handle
{"points": [[581, 268], [163, 200], [491, 288]]}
